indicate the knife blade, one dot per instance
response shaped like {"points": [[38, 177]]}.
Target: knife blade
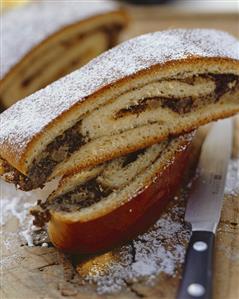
{"points": [[203, 211]]}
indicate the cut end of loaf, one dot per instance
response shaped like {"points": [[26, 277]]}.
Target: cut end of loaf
{"points": [[141, 184], [95, 192], [57, 45], [137, 118], [104, 110]]}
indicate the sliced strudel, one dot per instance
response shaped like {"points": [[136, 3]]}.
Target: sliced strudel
{"points": [[102, 207], [137, 94]]}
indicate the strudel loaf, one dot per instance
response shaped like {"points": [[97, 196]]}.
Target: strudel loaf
{"points": [[44, 41], [139, 93]]}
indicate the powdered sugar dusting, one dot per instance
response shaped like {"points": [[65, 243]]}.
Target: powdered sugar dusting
{"points": [[28, 117], [160, 250], [15, 204], [26, 27]]}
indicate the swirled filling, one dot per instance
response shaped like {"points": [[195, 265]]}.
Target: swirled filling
{"points": [[158, 102]]}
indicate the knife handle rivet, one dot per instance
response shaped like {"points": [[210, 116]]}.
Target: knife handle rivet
{"points": [[200, 246], [196, 290]]}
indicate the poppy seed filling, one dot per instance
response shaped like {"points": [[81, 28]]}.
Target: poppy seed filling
{"points": [[223, 84]]}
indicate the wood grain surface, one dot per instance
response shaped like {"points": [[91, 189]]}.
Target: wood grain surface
{"points": [[37, 272]]}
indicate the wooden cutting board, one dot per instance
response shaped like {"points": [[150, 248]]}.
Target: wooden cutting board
{"points": [[38, 272]]}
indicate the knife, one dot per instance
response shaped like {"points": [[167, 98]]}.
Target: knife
{"points": [[203, 211]]}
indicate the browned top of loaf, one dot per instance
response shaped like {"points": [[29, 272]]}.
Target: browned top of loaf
{"points": [[28, 118], [26, 27]]}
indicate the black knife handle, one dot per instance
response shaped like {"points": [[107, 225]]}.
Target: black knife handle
{"points": [[197, 275]]}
